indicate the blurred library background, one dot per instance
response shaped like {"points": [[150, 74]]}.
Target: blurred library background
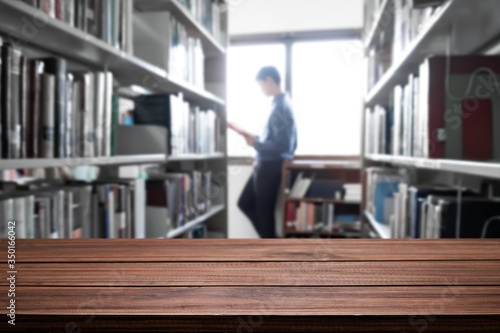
{"points": [[114, 117]]}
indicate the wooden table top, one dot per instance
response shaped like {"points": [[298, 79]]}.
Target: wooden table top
{"points": [[256, 285]]}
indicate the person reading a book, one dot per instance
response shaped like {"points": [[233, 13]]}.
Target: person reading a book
{"points": [[278, 143]]}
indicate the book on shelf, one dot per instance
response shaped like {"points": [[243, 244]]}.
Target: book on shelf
{"points": [[190, 130], [441, 114], [428, 211], [179, 197], [378, 130], [381, 186], [162, 40], [439, 217], [311, 186], [417, 196], [353, 192], [300, 186], [198, 231], [47, 110], [109, 20], [327, 189], [154, 140], [10, 101], [57, 67], [70, 209]]}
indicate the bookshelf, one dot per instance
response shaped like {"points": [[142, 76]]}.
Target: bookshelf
{"points": [[434, 39], [53, 37], [95, 53], [458, 27], [341, 168]]}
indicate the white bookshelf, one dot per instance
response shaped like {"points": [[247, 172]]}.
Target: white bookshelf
{"points": [[459, 27], [196, 157], [454, 15], [487, 170], [34, 163], [60, 39]]}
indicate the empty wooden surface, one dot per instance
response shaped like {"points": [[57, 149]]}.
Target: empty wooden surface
{"points": [[256, 285], [214, 250], [380, 273], [286, 301]]}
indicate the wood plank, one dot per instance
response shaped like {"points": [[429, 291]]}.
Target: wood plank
{"points": [[260, 323], [390, 273], [245, 301], [158, 250]]}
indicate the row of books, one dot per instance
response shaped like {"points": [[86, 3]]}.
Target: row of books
{"points": [[56, 209], [177, 198], [210, 14], [163, 41], [409, 18], [429, 211], [109, 20], [378, 130], [114, 208], [48, 112], [309, 217], [191, 130], [446, 111]]}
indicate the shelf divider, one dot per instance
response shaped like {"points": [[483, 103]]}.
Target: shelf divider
{"points": [[200, 219], [483, 169], [35, 163]]}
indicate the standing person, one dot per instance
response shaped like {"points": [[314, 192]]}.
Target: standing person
{"points": [[277, 144]]}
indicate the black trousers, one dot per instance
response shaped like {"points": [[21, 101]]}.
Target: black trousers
{"points": [[259, 196]]}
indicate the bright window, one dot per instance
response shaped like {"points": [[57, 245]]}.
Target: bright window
{"points": [[327, 98], [326, 95]]}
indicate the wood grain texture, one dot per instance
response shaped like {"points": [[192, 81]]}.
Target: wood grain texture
{"points": [[214, 250], [323, 285], [382, 273], [246, 324], [286, 301]]}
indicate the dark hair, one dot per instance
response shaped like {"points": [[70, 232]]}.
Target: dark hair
{"points": [[269, 71]]}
